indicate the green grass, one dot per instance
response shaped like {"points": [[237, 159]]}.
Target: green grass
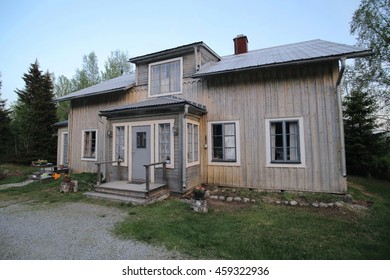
{"points": [[268, 231], [17, 173]]}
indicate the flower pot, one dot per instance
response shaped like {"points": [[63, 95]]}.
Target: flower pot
{"points": [[198, 195]]}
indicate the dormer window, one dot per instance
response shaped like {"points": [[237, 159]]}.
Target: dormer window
{"points": [[165, 78]]}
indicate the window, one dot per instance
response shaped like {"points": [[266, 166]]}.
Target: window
{"points": [[192, 143], [64, 160], [141, 140], [285, 141], [164, 142], [120, 143], [89, 144], [224, 143], [165, 78]]}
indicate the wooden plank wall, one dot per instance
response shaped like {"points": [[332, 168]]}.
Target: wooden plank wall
{"points": [[253, 97]]}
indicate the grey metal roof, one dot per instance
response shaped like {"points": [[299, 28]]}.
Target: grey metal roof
{"points": [[287, 54], [155, 102], [120, 83], [61, 124]]}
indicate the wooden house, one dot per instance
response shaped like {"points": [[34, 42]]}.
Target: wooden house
{"points": [[267, 119]]}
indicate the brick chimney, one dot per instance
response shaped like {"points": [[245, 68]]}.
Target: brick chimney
{"points": [[240, 44]]}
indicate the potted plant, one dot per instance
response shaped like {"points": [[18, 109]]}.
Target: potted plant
{"points": [[199, 192]]}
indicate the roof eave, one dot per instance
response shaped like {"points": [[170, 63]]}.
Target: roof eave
{"points": [[67, 98]]}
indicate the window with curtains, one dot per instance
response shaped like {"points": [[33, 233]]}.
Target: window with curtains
{"points": [[192, 142], [120, 143], [89, 144], [285, 141], [165, 77], [164, 142], [224, 142]]}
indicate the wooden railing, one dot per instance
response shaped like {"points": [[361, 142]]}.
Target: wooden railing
{"points": [[99, 164], [147, 168]]}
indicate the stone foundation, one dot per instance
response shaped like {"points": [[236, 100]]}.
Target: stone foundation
{"points": [[199, 205]]}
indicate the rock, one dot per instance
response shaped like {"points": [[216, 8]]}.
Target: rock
{"points": [[229, 199], [213, 197], [315, 204], [278, 202], [246, 200], [339, 204], [293, 203], [207, 194], [252, 200], [286, 202], [324, 205], [237, 198], [348, 198], [221, 197], [199, 206], [330, 204]]}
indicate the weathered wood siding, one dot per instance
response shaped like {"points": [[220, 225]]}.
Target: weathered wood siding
{"points": [[252, 98]]}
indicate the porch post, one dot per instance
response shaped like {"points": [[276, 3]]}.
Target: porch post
{"points": [[147, 177]]}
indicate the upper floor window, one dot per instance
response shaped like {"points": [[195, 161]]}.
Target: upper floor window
{"points": [[165, 77]]}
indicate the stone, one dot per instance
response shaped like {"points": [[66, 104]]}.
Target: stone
{"points": [[221, 197], [207, 194], [315, 204], [278, 202], [348, 198], [286, 202], [339, 204], [237, 198], [229, 199], [252, 200], [330, 204], [324, 205], [293, 203], [213, 197], [199, 206], [246, 200]]}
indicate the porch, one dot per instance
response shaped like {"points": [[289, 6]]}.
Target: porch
{"points": [[136, 193]]}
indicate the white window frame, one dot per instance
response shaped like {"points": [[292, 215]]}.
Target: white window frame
{"points": [[193, 162], [82, 145], [171, 123], [210, 144], [114, 128], [180, 59], [269, 162], [62, 151]]}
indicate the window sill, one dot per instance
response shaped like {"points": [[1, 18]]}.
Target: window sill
{"points": [[285, 165]]}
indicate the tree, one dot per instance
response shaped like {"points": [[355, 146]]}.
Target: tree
{"points": [[116, 65], [89, 74], [63, 86], [371, 23], [361, 142], [35, 113], [5, 131]]}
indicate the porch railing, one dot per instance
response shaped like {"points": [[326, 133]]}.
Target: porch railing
{"points": [[147, 169], [99, 164]]}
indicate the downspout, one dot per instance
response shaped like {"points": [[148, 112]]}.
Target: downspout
{"points": [[341, 123], [183, 148]]}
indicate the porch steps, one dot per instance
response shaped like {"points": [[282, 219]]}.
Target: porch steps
{"points": [[130, 193]]}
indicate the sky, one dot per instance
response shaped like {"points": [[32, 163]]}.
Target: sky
{"points": [[59, 32]]}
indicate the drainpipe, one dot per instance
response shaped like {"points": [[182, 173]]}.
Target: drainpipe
{"points": [[183, 149], [341, 123]]}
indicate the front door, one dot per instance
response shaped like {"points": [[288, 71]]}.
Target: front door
{"points": [[140, 151]]}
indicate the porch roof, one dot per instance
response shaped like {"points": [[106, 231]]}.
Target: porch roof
{"points": [[165, 103]]}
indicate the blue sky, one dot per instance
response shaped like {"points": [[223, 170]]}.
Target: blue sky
{"points": [[59, 32]]}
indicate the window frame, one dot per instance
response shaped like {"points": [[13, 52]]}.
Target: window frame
{"points": [[83, 157], [195, 148], [126, 143], [171, 123], [63, 149], [211, 161], [300, 140], [180, 59]]}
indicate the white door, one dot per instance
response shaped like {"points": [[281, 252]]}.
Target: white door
{"points": [[141, 151]]}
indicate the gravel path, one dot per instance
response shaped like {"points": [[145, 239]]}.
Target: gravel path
{"points": [[76, 231]]}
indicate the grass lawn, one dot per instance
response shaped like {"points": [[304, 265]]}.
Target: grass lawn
{"points": [[248, 230], [269, 231]]}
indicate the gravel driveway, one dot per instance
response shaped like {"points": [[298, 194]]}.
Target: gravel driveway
{"points": [[76, 231]]}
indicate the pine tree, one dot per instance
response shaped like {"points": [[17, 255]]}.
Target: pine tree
{"points": [[361, 142], [35, 114], [5, 131]]}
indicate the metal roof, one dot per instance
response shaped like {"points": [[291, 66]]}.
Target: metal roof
{"points": [[314, 50], [153, 103], [61, 124], [117, 84]]}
